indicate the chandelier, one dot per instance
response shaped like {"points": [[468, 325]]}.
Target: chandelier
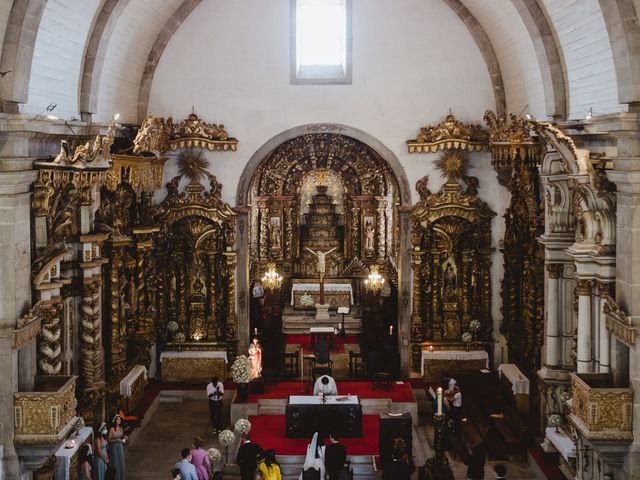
{"points": [[272, 280], [374, 281]]}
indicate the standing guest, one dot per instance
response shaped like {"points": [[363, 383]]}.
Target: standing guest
{"points": [[85, 463], [247, 457], [187, 470], [215, 390], [335, 457], [270, 468], [501, 471], [200, 460], [176, 474], [117, 438], [100, 457], [475, 467], [397, 468], [454, 402]]}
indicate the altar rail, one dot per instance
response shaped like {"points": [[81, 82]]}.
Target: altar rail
{"points": [[599, 411], [45, 416]]}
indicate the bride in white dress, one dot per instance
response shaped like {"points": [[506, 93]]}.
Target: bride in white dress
{"points": [[315, 457]]}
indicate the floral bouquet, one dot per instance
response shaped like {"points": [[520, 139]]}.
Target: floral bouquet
{"points": [[554, 420], [179, 337], [172, 326], [466, 337], [226, 438], [214, 455], [242, 426], [307, 301], [474, 325], [241, 369]]}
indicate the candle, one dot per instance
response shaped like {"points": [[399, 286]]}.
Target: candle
{"points": [[439, 401], [255, 331], [431, 348], [390, 329]]}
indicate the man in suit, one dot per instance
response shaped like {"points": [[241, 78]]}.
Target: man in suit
{"points": [[247, 457], [186, 467], [397, 468], [334, 457]]}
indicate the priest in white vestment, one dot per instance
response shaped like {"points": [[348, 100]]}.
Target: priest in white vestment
{"points": [[326, 385]]}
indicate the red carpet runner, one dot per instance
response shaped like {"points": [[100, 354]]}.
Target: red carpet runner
{"points": [[268, 431]]}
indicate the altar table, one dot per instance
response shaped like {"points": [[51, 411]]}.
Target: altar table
{"points": [[335, 294], [132, 386], [306, 415], [562, 442], [67, 465], [193, 367], [435, 363], [519, 384]]}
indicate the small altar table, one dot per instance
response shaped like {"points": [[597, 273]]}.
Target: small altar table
{"points": [[132, 386], [67, 465], [193, 367], [519, 384], [306, 415], [435, 363], [335, 294]]}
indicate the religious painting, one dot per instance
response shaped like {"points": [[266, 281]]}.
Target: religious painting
{"points": [[368, 235]]}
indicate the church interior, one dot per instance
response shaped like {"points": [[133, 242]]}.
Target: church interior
{"points": [[434, 203]]}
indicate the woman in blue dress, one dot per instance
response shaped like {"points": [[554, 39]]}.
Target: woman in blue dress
{"points": [[100, 455], [85, 463], [116, 440]]}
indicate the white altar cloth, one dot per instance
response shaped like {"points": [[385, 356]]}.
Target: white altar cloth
{"points": [[519, 383], [453, 355], [126, 384], [322, 330], [196, 354], [562, 442], [64, 455], [317, 400], [315, 287]]}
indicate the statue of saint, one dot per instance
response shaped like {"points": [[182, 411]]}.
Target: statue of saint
{"points": [[276, 234], [369, 233], [255, 357], [321, 260], [449, 283]]}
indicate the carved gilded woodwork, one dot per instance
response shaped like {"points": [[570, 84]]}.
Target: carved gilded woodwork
{"points": [[143, 173], [49, 340], [600, 412], [450, 134], [618, 322], [157, 135], [451, 262], [91, 367], [509, 138], [193, 370]]}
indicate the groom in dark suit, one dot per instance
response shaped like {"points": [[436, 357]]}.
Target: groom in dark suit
{"points": [[247, 457], [335, 457]]}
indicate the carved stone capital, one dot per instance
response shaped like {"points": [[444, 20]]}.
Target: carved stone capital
{"points": [[555, 270], [584, 287]]}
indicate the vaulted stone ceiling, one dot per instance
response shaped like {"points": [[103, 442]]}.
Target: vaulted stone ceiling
{"points": [[558, 56]]}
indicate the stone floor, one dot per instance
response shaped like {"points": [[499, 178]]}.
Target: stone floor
{"points": [[174, 425]]}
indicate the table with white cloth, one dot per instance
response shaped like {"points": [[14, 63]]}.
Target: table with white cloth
{"points": [[67, 459], [193, 366], [335, 294], [307, 414], [327, 333], [132, 386], [437, 362], [511, 374]]}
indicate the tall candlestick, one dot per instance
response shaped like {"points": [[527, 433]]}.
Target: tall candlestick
{"points": [[439, 401]]}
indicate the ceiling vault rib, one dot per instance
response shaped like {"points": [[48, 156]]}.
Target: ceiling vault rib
{"points": [[486, 48]]}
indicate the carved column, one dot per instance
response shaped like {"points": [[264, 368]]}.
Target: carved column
{"points": [[554, 346], [117, 323], [91, 348], [416, 317], [232, 319], [49, 346], [604, 335], [382, 234], [435, 299], [263, 232], [583, 289]]}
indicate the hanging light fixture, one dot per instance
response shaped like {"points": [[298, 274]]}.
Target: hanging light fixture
{"points": [[271, 280], [374, 281]]}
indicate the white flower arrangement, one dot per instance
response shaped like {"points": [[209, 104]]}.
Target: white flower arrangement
{"points": [[474, 325], [306, 300], [466, 337], [554, 420], [241, 369], [242, 426], [172, 326], [214, 455], [565, 395], [226, 438], [179, 337]]}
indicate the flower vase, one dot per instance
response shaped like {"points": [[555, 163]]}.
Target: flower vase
{"points": [[242, 392]]}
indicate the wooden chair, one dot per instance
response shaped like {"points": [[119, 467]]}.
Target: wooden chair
{"points": [[357, 365]]}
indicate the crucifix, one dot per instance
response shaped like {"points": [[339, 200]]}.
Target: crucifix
{"points": [[321, 268]]}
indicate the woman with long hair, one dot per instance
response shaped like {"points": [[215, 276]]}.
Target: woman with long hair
{"points": [[100, 455], [200, 459], [85, 463], [315, 456], [117, 438], [270, 468], [475, 466]]}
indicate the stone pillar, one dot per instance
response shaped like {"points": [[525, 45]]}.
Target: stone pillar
{"points": [[604, 336], [554, 345], [583, 289], [15, 294]]}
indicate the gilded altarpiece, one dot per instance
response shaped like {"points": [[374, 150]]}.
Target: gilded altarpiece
{"points": [[451, 262]]}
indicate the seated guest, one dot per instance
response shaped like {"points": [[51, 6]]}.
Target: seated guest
{"points": [[475, 465], [325, 384], [397, 468], [335, 457], [454, 402], [501, 471], [269, 467], [247, 457], [187, 469]]}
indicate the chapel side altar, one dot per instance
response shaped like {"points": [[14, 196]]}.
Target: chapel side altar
{"points": [[306, 415], [337, 293], [193, 366]]}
